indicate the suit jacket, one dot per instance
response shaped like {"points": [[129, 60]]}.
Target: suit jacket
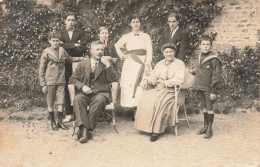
{"points": [[110, 50], [180, 39], [69, 45], [52, 67], [103, 77], [208, 73]]}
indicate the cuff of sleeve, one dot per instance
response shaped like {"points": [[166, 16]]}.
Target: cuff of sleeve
{"points": [[80, 86], [213, 91]]}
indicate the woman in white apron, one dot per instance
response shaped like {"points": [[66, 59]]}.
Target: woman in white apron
{"points": [[137, 62]]}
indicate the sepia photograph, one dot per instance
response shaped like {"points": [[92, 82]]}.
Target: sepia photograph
{"points": [[129, 83]]}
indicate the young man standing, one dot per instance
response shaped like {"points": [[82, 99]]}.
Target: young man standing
{"points": [[74, 44]]}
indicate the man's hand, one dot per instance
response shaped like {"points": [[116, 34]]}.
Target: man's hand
{"points": [[44, 89], [77, 44], [86, 89], [106, 60], [213, 96]]}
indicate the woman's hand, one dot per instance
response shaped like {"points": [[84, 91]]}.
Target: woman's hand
{"points": [[144, 84], [44, 89], [160, 86], [125, 56], [160, 81]]}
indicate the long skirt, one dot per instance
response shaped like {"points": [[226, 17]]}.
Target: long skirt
{"points": [[128, 79], [155, 111]]}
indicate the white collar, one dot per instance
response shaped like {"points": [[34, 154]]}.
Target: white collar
{"points": [[93, 61], [174, 30]]}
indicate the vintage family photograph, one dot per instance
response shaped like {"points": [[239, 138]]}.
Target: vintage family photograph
{"points": [[129, 83]]}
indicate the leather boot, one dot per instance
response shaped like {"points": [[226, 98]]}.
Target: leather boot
{"points": [[85, 136], [53, 122], [206, 123], [60, 124], [79, 133], [209, 132]]}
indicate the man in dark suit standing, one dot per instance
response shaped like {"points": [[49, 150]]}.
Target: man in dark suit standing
{"points": [[177, 36], [91, 79], [73, 43]]}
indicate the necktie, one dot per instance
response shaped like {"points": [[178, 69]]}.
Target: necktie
{"points": [[94, 67]]}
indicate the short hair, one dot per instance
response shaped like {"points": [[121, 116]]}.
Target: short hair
{"points": [[134, 16], [54, 34], [174, 15], [102, 28], [69, 14], [205, 38], [168, 45], [98, 42]]}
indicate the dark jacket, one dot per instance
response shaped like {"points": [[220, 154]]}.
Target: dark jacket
{"points": [[52, 67], [103, 77], [208, 73], [180, 39], [110, 50], [69, 46]]}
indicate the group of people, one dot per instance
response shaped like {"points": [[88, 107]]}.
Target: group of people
{"points": [[149, 91]]}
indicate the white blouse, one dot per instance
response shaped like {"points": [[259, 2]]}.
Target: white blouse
{"points": [[133, 42], [172, 74]]}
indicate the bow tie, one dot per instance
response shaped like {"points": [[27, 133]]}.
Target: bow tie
{"points": [[136, 34]]}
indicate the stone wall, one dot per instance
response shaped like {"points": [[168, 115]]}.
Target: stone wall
{"points": [[238, 25]]}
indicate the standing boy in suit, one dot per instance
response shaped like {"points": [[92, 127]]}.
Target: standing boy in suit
{"points": [[52, 77], [91, 79], [207, 81], [177, 36], [73, 42]]}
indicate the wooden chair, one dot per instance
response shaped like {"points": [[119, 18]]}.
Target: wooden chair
{"points": [[110, 108], [180, 101]]}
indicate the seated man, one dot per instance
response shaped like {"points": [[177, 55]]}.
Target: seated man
{"points": [[91, 79]]}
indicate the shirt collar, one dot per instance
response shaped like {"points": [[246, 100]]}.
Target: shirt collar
{"points": [[174, 30], [93, 61], [71, 29]]}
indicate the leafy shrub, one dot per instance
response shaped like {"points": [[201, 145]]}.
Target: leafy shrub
{"points": [[240, 76], [26, 24]]}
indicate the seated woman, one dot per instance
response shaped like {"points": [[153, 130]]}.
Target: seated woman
{"points": [[155, 110]]}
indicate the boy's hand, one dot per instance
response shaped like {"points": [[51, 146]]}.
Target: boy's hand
{"points": [[86, 89], [213, 96], [44, 89]]}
